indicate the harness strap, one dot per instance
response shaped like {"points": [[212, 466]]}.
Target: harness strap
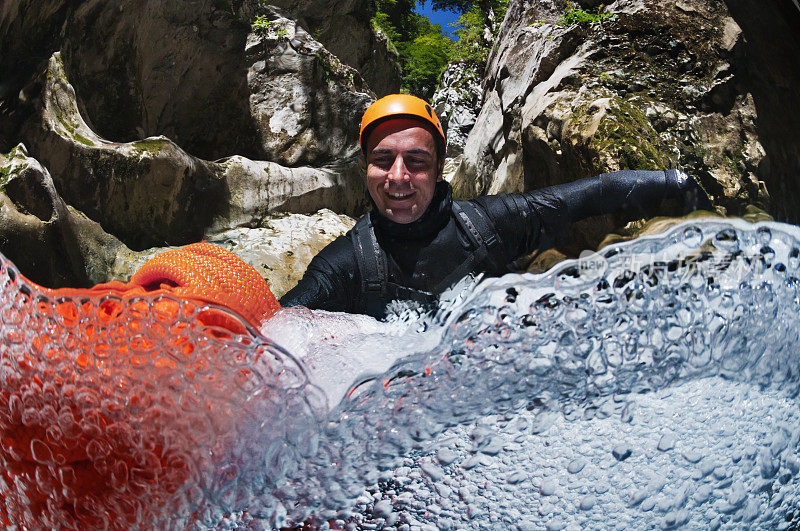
{"points": [[481, 233], [373, 266], [372, 259]]}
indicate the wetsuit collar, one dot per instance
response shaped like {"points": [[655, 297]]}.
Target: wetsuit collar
{"points": [[432, 221]]}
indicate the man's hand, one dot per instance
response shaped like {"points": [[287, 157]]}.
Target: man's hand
{"points": [[694, 195]]}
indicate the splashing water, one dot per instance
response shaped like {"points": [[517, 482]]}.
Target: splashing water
{"points": [[651, 385]]}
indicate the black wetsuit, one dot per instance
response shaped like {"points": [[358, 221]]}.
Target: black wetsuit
{"points": [[379, 261]]}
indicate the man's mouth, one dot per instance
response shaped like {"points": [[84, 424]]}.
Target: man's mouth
{"points": [[400, 195]]}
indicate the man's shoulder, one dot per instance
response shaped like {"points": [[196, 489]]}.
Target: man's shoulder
{"points": [[341, 251]]}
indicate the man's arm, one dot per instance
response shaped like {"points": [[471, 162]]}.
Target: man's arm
{"points": [[331, 281], [540, 219]]}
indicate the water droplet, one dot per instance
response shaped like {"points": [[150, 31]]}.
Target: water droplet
{"points": [[727, 240], [667, 442], [692, 456], [548, 487], [587, 502], [575, 466], [764, 235], [621, 452], [516, 477], [41, 452], [433, 471], [445, 456]]}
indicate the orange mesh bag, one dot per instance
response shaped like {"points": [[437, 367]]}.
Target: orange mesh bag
{"points": [[87, 438]]}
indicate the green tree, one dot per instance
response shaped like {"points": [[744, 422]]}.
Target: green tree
{"points": [[425, 58], [423, 49], [462, 6], [476, 28]]}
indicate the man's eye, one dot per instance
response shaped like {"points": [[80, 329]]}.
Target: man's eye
{"points": [[417, 163]]}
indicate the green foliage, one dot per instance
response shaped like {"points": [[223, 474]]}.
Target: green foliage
{"points": [[423, 49], [425, 58], [472, 45], [576, 15], [5, 172], [264, 26]]}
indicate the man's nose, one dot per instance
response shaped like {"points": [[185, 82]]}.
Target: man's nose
{"points": [[398, 171]]}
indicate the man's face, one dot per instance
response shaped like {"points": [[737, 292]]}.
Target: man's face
{"points": [[402, 169]]}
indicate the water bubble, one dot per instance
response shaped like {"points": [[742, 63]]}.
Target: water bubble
{"points": [[575, 466], [692, 237], [727, 240], [587, 502], [548, 487], [764, 235], [673, 328], [692, 456]]}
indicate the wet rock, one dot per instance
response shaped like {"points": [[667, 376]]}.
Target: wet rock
{"points": [[457, 103], [305, 104], [185, 71], [345, 29]]}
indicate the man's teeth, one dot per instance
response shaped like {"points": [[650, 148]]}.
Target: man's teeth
{"points": [[400, 196]]}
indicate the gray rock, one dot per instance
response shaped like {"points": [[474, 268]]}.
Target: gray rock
{"points": [[457, 102], [185, 71], [305, 104], [344, 28]]}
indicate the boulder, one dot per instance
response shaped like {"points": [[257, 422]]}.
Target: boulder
{"points": [[305, 104], [658, 85], [280, 250], [50, 242]]}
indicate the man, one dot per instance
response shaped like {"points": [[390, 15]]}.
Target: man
{"points": [[417, 242]]}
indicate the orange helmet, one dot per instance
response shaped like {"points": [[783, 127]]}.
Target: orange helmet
{"points": [[400, 106]]}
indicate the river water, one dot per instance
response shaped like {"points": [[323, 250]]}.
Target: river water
{"points": [[652, 385]]}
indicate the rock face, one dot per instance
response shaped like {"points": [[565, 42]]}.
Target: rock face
{"points": [[662, 85], [457, 102], [305, 104], [163, 88], [55, 245], [51, 242], [345, 30], [211, 82], [151, 192]]}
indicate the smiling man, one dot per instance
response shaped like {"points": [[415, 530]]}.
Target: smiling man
{"points": [[416, 241]]}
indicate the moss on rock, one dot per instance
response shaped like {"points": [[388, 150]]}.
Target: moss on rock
{"points": [[151, 145], [8, 168], [626, 134]]}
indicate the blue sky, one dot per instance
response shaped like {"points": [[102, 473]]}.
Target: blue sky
{"points": [[443, 18]]}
